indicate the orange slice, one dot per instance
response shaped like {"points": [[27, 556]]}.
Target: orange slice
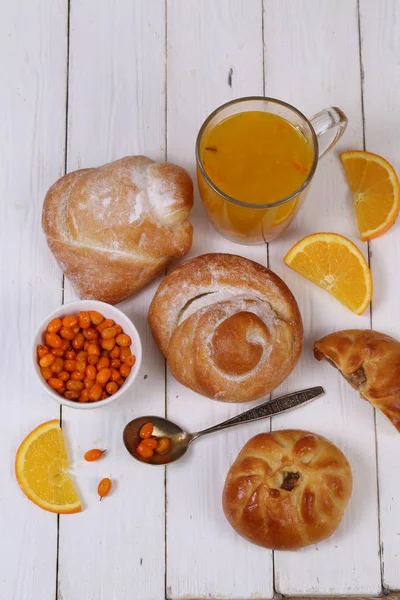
{"points": [[376, 191], [41, 466], [336, 265]]}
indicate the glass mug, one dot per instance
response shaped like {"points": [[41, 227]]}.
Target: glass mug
{"points": [[250, 223]]}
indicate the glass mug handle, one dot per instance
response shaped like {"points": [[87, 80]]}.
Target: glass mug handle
{"points": [[331, 119]]}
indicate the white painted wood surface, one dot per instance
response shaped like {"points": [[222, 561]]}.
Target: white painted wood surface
{"points": [[380, 27], [32, 131], [116, 108], [324, 70], [141, 77]]}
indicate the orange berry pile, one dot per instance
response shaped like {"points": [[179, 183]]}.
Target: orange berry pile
{"points": [[151, 443], [85, 357]]}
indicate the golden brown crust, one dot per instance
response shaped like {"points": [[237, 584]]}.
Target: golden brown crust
{"points": [[287, 489], [229, 328], [370, 362], [112, 229]]}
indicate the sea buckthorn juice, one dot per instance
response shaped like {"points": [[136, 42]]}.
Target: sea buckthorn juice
{"points": [[253, 170]]}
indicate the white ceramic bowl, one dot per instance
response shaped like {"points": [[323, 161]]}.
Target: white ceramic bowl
{"points": [[109, 312]]}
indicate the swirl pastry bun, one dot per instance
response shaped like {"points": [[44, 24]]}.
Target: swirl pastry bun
{"points": [[229, 328], [287, 489], [370, 363], [112, 229]]}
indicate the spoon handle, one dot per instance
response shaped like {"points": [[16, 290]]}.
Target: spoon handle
{"points": [[267, 409]]}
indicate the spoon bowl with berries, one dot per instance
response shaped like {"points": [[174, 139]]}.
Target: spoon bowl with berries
{"points": [[158, 441]]}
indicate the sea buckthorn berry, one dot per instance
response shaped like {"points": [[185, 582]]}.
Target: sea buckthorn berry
{"points": [[70, 355], [81, 366], [144, 451], [104, 324], [77, 375], [108, 344], [123, 340], [94, 454], [91, 372], [115, 352], [120, 381], [104, 487], [108, 332], [114, 375], [57, 365], [146, 431], [57, 351], [93, 349], [84, 320], [125, 370], [47, 373], [163, 445], [103, 363], [130, 360], [150, 442], [71, 395], [104, 395], [118, 328], [53, 340], [95, 317], [125, 352], [115, 363], [76, 329], [103, 376], [95, 392], [65, 345], [90, 333], [74, 386], [92, 359], [64, 376], [78, 341], [111, 387], [47, 360], [70, 365], [54, 326], [55, 383], [42, 350], [70, 321], [81, 355], [84, 396], [88, 383], [67, 333]]}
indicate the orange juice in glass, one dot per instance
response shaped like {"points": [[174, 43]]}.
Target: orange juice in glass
{"points": [[255, 159]]}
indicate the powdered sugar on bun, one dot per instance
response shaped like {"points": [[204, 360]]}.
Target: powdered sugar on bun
{"points": [[114, 228]]}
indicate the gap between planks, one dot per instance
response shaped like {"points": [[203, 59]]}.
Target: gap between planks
{"points": [[57, 595]]}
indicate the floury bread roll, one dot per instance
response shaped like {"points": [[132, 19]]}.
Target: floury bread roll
{"points": [[287, 489], [112, 229], [229, 328], [370, 362]]}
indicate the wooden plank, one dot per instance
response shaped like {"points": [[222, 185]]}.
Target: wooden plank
{"points": [[212, 58], [316, 44], [380, 36], [390, 596], [116, 107], [32, 121]]}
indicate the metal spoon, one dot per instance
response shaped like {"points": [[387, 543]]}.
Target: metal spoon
{"points": [[181, 440]]}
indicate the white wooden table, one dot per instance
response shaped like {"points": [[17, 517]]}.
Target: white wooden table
{"points": [[84, 82]]}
